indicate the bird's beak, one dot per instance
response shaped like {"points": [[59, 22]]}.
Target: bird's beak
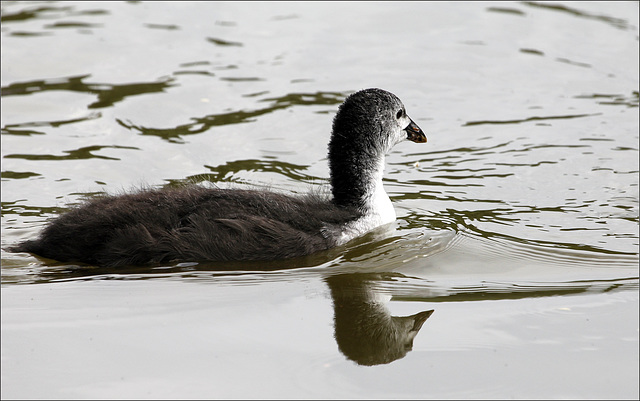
{"points": [[420, 318], [414, 133]]}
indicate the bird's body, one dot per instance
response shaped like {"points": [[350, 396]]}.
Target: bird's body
{"points": [[203, 224], [192, 224]]}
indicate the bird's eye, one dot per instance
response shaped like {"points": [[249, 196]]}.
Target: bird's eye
{"points": [[399, 113]]}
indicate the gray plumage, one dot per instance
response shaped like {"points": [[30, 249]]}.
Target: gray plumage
{"points": [[200, 224]]}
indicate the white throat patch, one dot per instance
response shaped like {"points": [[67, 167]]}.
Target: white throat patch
{"points": [[379, 209]]}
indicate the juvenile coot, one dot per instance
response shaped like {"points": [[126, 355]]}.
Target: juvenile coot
{"points": [[203, 224]]}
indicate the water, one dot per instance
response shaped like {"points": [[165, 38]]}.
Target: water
{"points": [[517, 221]]}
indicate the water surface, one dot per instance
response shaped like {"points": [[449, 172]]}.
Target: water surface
{"points": [[517, 221]]}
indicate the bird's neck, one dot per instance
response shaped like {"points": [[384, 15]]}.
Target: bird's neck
{"points": [[357, 183], [377, 202]]}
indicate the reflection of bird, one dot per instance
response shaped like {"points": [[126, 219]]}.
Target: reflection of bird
{"points": [[364, 329], [195, 223]]}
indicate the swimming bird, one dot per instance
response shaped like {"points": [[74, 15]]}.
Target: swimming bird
{"points": [[194, 223]]}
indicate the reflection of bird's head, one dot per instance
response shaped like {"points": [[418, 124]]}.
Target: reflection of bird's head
{"points": [[365, 331]]}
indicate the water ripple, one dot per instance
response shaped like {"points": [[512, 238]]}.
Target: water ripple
{"points": [[76, 154], [108, 94], [202, 124], [615, 22], [528, 119]]}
